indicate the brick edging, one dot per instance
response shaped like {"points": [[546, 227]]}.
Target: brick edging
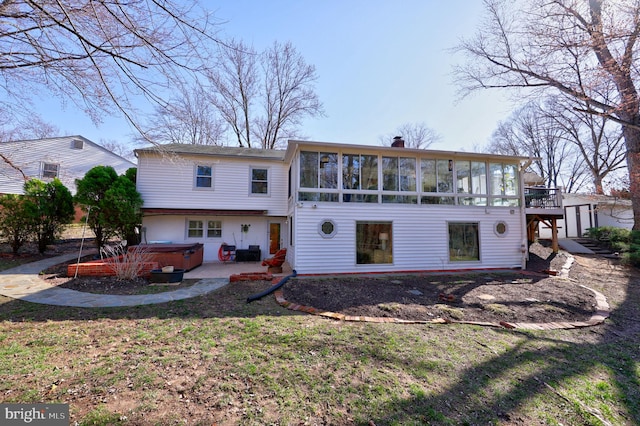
{"points": [[602, 313]]}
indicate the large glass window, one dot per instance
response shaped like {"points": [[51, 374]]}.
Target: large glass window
{"points": [[259, 181], [398, 174], [503, 183], [204, 176], [437, 176], [463, 241], [360, 172], [374, 243], [318, 170]]}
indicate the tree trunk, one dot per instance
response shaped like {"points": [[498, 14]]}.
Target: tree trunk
{"points": [[632, 140]]}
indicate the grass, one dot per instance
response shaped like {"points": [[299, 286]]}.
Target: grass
{"points": [[216, 359]]}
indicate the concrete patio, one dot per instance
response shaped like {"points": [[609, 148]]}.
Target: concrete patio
{"points": [[226, 269]]}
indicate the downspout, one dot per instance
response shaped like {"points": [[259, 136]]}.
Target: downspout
{"points": [[524, 246]]}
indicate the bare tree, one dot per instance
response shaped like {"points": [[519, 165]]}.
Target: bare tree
{"points": [[235, 88], [187, 118], [577, 47], [598, 140], [264, 97], [14, 127], [118, 148], [415, 135], [531, 130], [97, 53]]}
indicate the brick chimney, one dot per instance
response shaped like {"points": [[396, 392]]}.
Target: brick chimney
{"points": [[398, 142]]}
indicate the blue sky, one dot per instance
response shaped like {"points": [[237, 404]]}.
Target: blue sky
{"points": [[379, 63]]}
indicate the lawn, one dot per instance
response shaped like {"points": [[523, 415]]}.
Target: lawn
{"points": [[218, 360]]}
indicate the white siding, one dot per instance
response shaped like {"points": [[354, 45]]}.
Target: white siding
{"points": [[420, 237], [174, 229], [167, 182], [73, 163]]}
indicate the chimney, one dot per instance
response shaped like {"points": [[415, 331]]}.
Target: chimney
{"points": [[398, 142]]}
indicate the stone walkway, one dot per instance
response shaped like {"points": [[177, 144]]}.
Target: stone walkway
{"points": [[23, 283]]}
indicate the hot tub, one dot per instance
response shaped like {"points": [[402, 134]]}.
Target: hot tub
{"points": [[180, 256]]}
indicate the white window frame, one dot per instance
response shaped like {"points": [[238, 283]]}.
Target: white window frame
{"points": [[251, 181], [195, 228], [216, 229], [44, 173], [196, 176]]}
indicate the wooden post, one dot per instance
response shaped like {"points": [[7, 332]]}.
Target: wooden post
{"points": [[554, 235]]}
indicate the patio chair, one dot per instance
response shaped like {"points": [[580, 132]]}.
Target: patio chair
{"points": [[275, 263]]}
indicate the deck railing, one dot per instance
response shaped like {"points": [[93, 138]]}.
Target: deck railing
{"points": [[544, 198]]}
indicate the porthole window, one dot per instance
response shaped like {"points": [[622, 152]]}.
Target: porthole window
{"points": [[501, 229], [327, 228]]}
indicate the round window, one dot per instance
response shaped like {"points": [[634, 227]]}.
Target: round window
{"points": [[327, 228], [501, 229]]}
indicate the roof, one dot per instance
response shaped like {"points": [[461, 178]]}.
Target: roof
{"points": [[295, 144], [276, 154], [214, 150]]}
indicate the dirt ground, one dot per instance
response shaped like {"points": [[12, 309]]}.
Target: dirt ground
{"points": [[489, 296]]}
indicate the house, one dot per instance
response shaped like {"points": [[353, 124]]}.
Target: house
{"points": [[341, 208], [584, 211], [68, 158]]}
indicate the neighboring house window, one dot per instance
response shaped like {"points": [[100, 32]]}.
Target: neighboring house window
{"points": [[463, 241], [399, 175], [503, 184], [374, 243], [214, 229], [195, 229], [318, 176], [437, 178], [77, 144], [204, 176], [360, 173], [471, 178], [50, 170], [259, 181]]}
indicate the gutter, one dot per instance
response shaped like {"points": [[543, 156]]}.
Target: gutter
{"points": [[524, 248]]}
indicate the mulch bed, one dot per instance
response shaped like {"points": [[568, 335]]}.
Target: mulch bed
{"points": [[485, 296]]}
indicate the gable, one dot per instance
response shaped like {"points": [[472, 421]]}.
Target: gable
{"points": [[68, 158]]}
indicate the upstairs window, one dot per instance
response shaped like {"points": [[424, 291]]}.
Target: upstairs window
{"points": [[259, 181], [204, 176], [398, 174], [50, 170], [77, 144]]}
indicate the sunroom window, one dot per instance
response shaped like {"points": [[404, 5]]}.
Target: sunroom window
{"points": [[503, 184], [437, 177], [318, 171], [360, 173]]}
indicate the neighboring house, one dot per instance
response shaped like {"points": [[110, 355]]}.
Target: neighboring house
{"points": [[584, 211], [340, 208], [68, 158]]}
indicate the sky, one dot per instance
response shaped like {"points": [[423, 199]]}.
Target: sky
{"points": [[380, 64]]}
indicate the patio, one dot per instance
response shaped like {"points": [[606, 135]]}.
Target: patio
{"points": [[226, 269]]}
